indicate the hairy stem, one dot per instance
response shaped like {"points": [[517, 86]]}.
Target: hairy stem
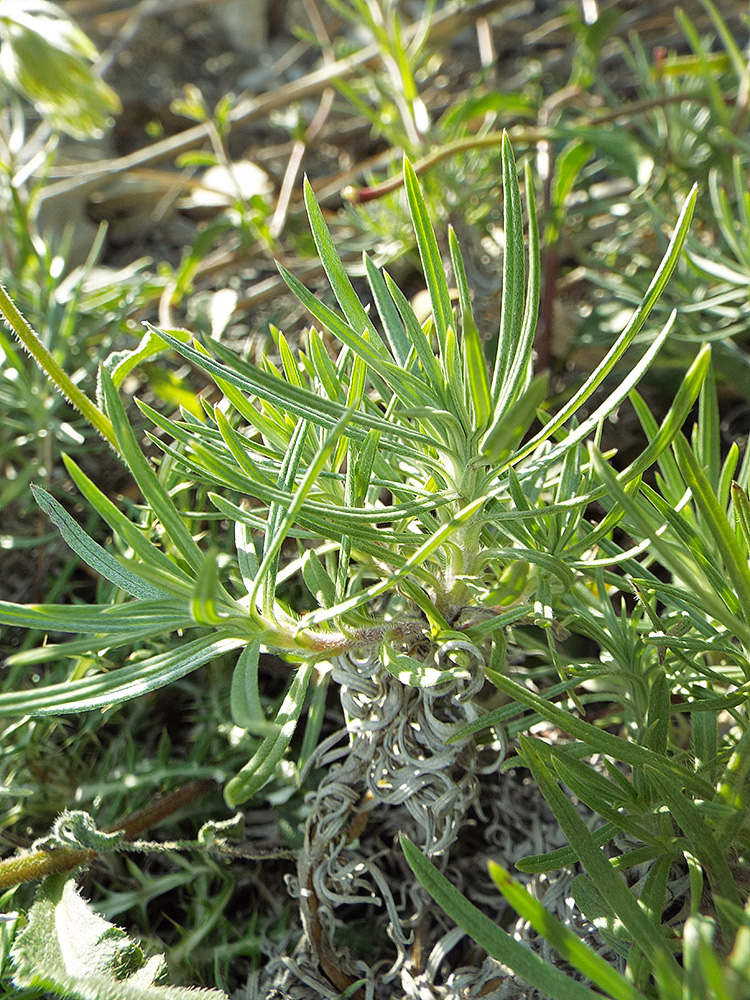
{"points": [[30, 340], [37, 864]]}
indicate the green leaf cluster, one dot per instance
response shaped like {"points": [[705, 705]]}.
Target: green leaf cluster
{"points": [[428, 501], [397, 470]]}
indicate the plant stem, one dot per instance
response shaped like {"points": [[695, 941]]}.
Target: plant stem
{"points": [[37, 864], [30, 340]]}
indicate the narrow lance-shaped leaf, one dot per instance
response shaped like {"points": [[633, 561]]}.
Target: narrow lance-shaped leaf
{"points": [[587, 426], [726, 475], [407, 386], [308, 480], [600, 794], [599, 740], [247, 560], [475, 375], [291, 371], [91, 552], [276, 516], [651, 898], [244, 697], [207, 603], [698, 587], [392, 323], [318, 582], [455, 381], [673, 421], [324, 367], [417, 338], [520, 369], [152, 489], [703, 844], [706, 431], [120, 365], [486, 933], [742, 512], [707, 584], [429, 252], [565, 942], [639, 317], [339, 279], [260, 768], [644, 931], [732, 792], [354, 395], [87, 646], [511, 309], [131, 533], [735, 559], [300, 403], [117, 686], [510, 424], [95, 619], [564, 856]]}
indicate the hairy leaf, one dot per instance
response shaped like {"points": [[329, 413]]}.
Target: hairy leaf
{"points": [[70, 951]]}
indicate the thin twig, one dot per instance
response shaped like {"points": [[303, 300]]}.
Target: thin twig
{"points": [[517, 135], [311, 132], [37, 864]]}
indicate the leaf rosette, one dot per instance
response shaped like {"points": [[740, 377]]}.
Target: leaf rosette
{"points": [[423, 499]]}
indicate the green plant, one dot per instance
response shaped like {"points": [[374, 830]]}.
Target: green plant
{"points": [[680, 122], [245, 221], [45, 59], [665, 864], [706, 974], [391, 101], [660, 123], [427, 505], [406, 108]]}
